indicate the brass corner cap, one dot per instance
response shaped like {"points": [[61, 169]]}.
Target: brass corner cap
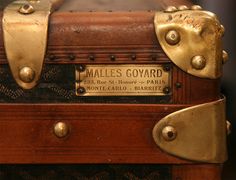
{"points": [[197, 133], [186, 34]]}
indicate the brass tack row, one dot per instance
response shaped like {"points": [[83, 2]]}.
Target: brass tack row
{"points": [[92, 57], [182, 8]]}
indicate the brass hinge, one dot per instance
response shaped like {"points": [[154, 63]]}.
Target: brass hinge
{"points": [[196, 133], [25, 30], [192, 39]]}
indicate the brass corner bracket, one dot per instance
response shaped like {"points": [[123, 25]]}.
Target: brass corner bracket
{"points": [[197, 133], [192, 39], [25, 29]]}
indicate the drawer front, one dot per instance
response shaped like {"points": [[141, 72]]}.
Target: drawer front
{"points": [[92, 133]]}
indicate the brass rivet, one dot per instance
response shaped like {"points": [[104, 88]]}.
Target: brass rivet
{"points": [[26, 9], [196, 7], [169, 133], [229, 127], [27, 74], [222, 30], [81, 90], [198, 62], [171, 9], [113, 57], [225, 56], [166, 67], [72, 57], [61, 129], [52, 57], [34, 1], [183, 7], [178, 85], [133, 57], [172, 37], [91, 57], [166, 90], [81, 68]]}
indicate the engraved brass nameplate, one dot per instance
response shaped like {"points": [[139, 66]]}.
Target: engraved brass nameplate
{"points": [[122, 80]]}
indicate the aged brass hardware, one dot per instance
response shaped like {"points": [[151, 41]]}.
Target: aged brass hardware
{"points": [[81, 90], [222, 30], [196, 7], [172, 37], [183, 7], [26, 9], [169, 133], [113, 57], [123, 80], [225, 56], [171, 9], [27, 74], [61, 129], [200, 34], [199, 133], [229, 127], [25, 28], [166, 90], [198, 62]]}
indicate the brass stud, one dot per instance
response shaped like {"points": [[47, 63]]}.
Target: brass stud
{"points": [[183, 7], [72, 57], [133, 57], [34, 1], [61, 129], [27, 74], [196, 7], [91, 57], [166, 67], [229, 127], [222, 30], [198, 62], [225, 56], [26, 9], [81, 68], [166, 90], [169, 133], [171, 9], [172, 37], [81, 90], [113, 57]]}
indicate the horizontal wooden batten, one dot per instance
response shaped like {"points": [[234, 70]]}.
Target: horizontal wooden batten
{"points": [[98, 133]]}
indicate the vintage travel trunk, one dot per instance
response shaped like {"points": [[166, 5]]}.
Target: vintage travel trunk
{"points": [[111, 89]]}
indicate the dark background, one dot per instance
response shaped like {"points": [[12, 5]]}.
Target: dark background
{"points": [[226, 12]]}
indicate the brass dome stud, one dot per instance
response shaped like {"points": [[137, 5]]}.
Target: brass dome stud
{"points": [[169, 133], [172, 37], [225, 56], [61, 129], [222, 30], [229, 127], [183, 7], [170, 9], [27, 74], [196, 7], [26, 9], [198, 62]]}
